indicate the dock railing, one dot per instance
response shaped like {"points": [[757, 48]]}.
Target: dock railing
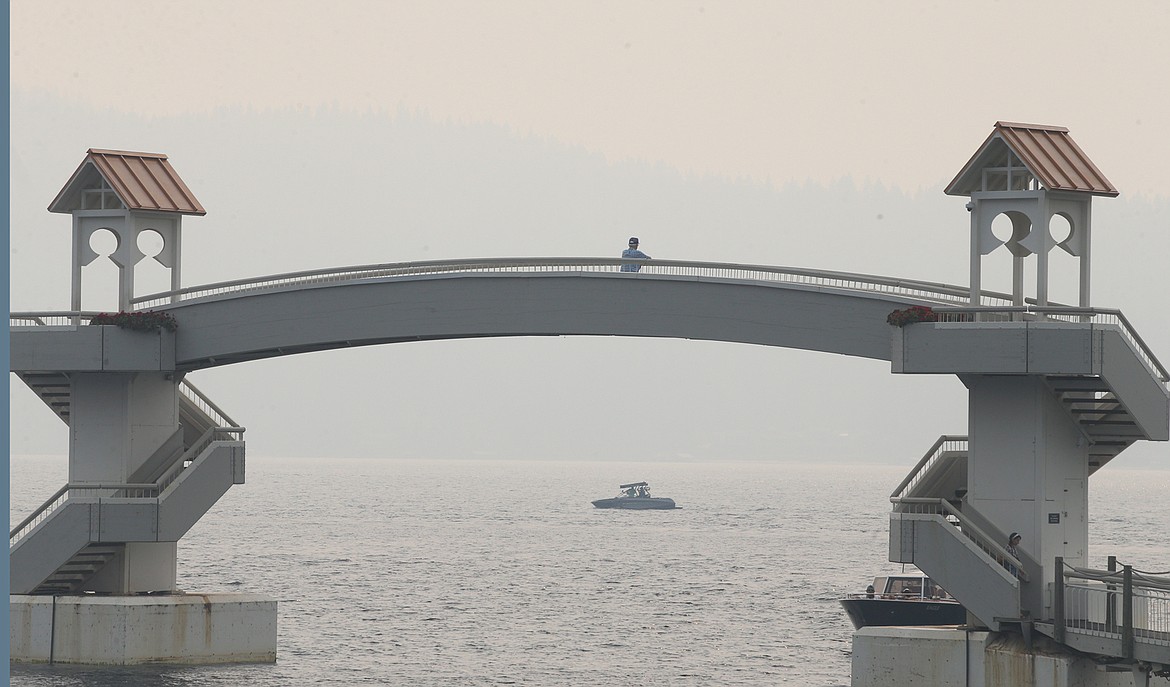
{"points": [[1125, 605]]}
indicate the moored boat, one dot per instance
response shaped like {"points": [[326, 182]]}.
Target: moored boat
{"points": [[906, 600], [636, 496]]}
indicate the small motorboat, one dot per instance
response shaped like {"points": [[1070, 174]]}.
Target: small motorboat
{"points": [[907, 600], [636, 496]]}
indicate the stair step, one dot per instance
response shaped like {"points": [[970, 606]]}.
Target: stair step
{"points": [[71, 576]]}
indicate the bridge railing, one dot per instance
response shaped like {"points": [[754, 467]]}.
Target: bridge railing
{"points": [[928, 291], [69, 318]]}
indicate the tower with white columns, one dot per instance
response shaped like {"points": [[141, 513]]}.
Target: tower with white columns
{"points": [[127, 194], [1030, 173]]}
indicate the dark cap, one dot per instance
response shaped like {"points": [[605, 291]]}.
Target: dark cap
{"points": [[633, 240], [1014, 535]]}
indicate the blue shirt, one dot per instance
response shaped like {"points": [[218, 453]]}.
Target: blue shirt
{"points": [[633, 253]]}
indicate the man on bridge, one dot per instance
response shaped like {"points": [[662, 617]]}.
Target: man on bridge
{"points": [[633, 252]]}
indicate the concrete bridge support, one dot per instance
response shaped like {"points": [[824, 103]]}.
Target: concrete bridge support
{"points": [[120, 421], [1028, 470]]}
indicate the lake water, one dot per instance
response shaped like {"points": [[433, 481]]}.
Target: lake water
{"points": [[395, 572]]}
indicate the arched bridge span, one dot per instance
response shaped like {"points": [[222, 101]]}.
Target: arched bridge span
{"points": [[327, 309]]}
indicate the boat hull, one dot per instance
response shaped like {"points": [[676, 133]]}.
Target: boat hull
{"points": [[864, 611], [636, 503]]}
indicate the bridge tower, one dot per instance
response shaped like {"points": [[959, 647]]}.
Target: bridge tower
{"points": [[1030, 457], [93, 571], [1054, 393], [127, 194], [1030, 173]]}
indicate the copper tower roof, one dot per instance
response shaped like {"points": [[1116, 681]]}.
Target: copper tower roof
{"points": [[142, 181], [1048, 152]]}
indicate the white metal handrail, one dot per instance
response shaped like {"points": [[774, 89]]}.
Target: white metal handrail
{"points": [[51, 318], [924, 290], [205, 404], [1125, 605], [1115, 577], [946, 443]]}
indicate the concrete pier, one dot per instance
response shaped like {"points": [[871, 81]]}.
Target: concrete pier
{"points": [[126, 630], [950, 657]]}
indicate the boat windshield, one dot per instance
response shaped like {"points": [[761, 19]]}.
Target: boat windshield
{"points": [[913, 588]]}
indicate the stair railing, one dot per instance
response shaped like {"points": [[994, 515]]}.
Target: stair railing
{"points": [[210, 436], [984, 542], [201, 401], [946, 443]]}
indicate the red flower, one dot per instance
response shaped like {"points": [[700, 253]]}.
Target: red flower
{"points": [[915, 313], [141, 321]]}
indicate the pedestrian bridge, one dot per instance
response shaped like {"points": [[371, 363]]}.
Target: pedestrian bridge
{"points": [[292, 313]]}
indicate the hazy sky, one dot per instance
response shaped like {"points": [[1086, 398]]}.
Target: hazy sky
{"points": [[811, 134], [773, 91]]}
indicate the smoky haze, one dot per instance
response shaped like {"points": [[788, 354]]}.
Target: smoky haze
{"points": [[308, 188]]}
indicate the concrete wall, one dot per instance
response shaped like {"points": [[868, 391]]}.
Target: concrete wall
{"points": [[936, 657], [1028, 467], [90, 348], [118, 420]]}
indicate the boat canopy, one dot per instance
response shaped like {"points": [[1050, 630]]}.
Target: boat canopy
{"points": [[633, 484]]}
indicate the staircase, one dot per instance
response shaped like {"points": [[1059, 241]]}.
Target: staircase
{"points": [[82, 527], [1106, 423], [71, 577], [934, 528], [51, 387], [197, 413]]}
